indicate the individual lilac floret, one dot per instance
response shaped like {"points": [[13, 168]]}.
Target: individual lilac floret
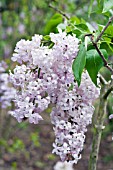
{"points": [[111, 116]]}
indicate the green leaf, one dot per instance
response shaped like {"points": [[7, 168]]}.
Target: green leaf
{"points": [[79, 63], [77, 32], [108, 47], [75, 20], [52, 24], [79, 27], [100, 27], [108, 4], [94, 63], [82, 27], [107, 44], [109, 30], [69, 29]]}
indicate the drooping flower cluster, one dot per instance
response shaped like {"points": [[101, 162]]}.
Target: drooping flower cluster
{"points": [[44, 77], [6, 92], [72, 114]]}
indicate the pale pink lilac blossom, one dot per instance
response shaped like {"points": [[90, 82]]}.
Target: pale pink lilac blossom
{"points": [[45, 77]]}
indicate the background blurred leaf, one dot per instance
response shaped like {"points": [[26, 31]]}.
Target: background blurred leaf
{"points": [[90, 7], [108, 4]]}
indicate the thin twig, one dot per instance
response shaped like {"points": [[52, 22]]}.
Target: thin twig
{"points": [[96, 46], [101, 55], [59, 11], [104, 29], [89, 34], [108, 92], [102, 79]]}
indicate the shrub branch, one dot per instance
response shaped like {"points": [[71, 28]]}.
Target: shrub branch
{"points": [[59, 11], [106, 89], [104, 29]]}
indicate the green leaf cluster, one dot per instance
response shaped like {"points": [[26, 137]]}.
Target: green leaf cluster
{"points": [[107, 39], [94, 63], [101, 7], [89, 60]]}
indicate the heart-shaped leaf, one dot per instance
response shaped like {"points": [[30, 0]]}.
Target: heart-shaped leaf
{"points": [[94, 63]]}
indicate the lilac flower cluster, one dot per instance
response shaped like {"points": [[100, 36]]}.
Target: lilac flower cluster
{"points": [[44, 77], [6, 92], [72, 114]]}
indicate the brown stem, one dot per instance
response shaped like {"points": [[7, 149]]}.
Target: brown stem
{"points": [[97, 130], [104, 29], [59, 11], [96, 46], [102, 80], [102, 56], [108, 92]]}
